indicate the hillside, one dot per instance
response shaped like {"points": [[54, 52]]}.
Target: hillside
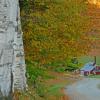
{"points": [[94, 15]]}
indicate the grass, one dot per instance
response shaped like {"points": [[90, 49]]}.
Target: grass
{"points": [[93, 76], [87, 59], [53, 91]]}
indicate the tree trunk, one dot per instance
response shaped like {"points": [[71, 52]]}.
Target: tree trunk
{"points": [[12, 64]]}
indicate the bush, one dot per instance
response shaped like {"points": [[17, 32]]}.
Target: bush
{"points": [[60, 69]]}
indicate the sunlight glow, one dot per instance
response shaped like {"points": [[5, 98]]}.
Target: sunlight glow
{"points": [[95, 2]]}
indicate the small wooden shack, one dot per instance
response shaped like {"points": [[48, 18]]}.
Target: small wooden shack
{"points": [[90, 68], [87, 69]]}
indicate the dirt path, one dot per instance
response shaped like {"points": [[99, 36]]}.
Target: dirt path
{"points": [[86, 89]]}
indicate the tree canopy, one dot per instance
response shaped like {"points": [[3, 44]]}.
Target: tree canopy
{"points": [[54, 29]]}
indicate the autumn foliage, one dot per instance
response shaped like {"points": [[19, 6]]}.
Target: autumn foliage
{"points": [[55, 29]]}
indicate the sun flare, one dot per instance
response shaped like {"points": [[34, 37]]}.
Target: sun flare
{"points": [[95, 2]]}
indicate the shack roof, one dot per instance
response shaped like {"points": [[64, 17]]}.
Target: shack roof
{"points": [[88, 67]]}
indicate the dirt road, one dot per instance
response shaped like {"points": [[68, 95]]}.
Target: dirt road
{"points": [[86, 89]]}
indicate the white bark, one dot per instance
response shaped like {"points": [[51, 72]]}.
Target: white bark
{"points": [[12, 64]]}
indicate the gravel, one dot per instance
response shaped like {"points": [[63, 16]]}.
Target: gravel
{"points": [[85, 89]]}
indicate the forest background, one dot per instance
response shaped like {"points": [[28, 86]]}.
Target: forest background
{"points": [[55, 34]]}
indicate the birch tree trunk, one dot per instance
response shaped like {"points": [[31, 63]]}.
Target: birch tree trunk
{"points": [[12, 64]]}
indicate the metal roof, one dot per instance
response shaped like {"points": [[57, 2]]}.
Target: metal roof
{"points": [[88, 67]]}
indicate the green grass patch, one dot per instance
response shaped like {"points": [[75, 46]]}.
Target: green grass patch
{"points": [[55, 89], [93, 76], [86, 59]]}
